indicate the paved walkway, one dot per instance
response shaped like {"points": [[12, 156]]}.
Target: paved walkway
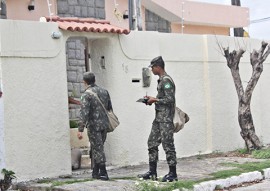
{"points": [[124, 179]]}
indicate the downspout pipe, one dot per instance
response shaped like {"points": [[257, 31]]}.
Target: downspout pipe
{"points": [[239, 32], [138, 14], [3, 10], [130, 14]]}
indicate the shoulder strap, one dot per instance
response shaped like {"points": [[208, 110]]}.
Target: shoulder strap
{"points": [[169, 77], [90, 91]]}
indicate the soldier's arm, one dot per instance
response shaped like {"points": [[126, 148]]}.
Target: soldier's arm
{"points": [[169, 91], [84, 112], [109, 106]]}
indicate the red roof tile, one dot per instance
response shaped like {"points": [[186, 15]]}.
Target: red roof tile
{"points": [[86, 25]]}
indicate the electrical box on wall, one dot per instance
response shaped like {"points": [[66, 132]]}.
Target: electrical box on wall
{"points": [[146, 77]]}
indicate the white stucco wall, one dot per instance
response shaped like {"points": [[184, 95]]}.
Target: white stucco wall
{"points": [[2, 148], [205, 90], [36, 128]]}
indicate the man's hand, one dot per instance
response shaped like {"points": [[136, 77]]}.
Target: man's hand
{"points": [[79, 135], [151, 100]]}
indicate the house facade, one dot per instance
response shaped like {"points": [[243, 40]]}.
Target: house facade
{"points": [[178, 16], [175, 16], [36, 120]]}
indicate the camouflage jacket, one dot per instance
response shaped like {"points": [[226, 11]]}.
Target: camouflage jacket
{"points": [[92, 114], [166, 103]]}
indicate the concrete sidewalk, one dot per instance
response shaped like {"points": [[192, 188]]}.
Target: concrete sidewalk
{"points": [[124, 179]]}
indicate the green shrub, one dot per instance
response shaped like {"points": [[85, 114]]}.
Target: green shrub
{"points": [[6, 183], [73, 124]]}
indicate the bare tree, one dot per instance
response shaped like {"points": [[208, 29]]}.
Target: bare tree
{"points": [[244, 95]]}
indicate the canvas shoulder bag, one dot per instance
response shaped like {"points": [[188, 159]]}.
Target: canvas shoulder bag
{"points": [[113, 119], [180, 117]]}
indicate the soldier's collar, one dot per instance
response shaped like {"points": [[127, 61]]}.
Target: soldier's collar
{"points": [[89, 86], [161, 77]]}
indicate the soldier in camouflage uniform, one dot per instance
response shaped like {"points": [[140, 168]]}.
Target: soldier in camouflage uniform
{"points": [[94, 118], [162, 129]]}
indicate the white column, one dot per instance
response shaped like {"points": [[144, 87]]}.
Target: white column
{"points": [[2, 148]]}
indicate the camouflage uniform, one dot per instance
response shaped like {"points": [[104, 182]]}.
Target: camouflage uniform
{"points": [[94, 118], [163, 129]]}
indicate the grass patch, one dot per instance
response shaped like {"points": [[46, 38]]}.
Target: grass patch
{"points": [[125, 178], [226, 173], [45, 181], [261, 154], [241, 168], [60, 183], [254, 166], [160, 186], [258, 154], [243, 151]]}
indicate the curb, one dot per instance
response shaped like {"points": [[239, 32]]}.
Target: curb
{"points": [[233, 181], [203, 186]]}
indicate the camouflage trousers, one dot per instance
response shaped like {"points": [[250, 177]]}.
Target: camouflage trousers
{"points": [[97, 139], [162, 133]]}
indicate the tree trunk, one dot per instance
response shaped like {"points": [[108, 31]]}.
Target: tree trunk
{"points": [[244, 96], [247, 127]]}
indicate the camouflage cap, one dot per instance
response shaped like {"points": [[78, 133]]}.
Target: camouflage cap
{"points": [[158, 61]]}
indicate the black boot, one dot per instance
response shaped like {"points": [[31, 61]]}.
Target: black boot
{"points": [[95, 172], [103, 172], [151, 174], [171, 176]]}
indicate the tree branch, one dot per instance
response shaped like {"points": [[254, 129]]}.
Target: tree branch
{"points": [[261, 51], [256, 59], [251, 85], [238, 84], [266, 54], [233, 60]]}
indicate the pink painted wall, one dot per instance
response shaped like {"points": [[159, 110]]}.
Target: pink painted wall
{"points": [[195, 29], [200, 13], [211, 13], [120, 9], [18, 9]]}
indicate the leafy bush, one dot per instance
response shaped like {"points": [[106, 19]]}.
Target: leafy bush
{"points": [[73, 124], [7, 181]]}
